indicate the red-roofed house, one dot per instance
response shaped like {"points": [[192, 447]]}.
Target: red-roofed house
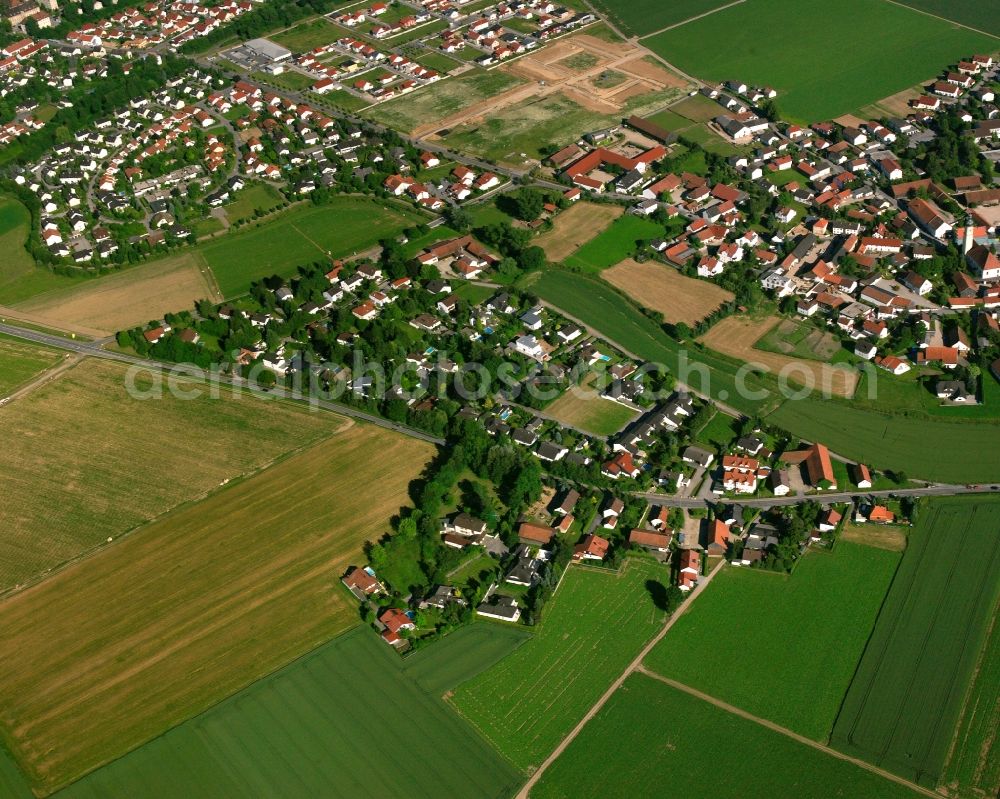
{"points": [[591, 547], [690, 568], [879, 514], [718, 538], [395, 621]]}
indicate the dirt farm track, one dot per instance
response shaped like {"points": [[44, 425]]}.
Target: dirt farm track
{"points": [[549, 75]]}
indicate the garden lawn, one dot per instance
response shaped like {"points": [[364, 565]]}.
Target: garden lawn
{"points": [[906, 699], [325, 725], [596, 623], [308, 35], [584, 409], [655, 740], [258, 197], [818, 618], [892, 48], [720, 431], [615, 244]]}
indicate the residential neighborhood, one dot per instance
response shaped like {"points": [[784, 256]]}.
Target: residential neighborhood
{"points": [[541, 392]]}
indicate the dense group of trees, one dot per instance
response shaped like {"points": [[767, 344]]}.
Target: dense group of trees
{"points": [[267, 17], [952, 152], [96, 99], [413, 560]]}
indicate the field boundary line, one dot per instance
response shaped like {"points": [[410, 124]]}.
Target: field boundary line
{"points": [[895, 612], [229, 697], [692, 19], [991, 633], [46, 375], [210, 278], [871, 635], [786, 732], [295, 227], [99, 548], [635, 665], [943, 19]]}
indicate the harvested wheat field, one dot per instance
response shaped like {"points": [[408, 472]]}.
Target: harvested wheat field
{"points": [[129, 298], [575, 226], [735, 336], [664, 289], [121, 646], [83, 461]]}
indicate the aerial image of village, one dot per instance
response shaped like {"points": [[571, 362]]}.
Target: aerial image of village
{"points": [[494, 399]]}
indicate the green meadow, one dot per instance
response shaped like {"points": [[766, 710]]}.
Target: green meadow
{"points": [[785, 44]]}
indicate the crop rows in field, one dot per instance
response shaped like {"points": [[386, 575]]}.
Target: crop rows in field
{"points": [[642, 17], [818, 618], [652, 739], [892, 48], [346, 720], [903, 704], [974, 763], [597, 622]]}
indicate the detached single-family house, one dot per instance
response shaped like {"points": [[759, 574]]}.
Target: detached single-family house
{"points": [[395, 622]]}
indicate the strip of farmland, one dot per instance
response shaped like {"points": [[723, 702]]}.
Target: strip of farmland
{"points": [[903, 704]]}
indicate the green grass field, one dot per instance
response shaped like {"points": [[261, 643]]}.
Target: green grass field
{"points": [[774, 42], [19, 277], [594, 626], [818, 619], [615, 244], [442, 99], [904, 702], [974, 13], [642, 17], [654, 740], [308, 35], [13, 784], [289, 79], [302, 235], [251, 199], [933, 449], [923, 446], [974, 765], [907, 394], [21, 360], [349, 719], [587, 411], [720, 430]]}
